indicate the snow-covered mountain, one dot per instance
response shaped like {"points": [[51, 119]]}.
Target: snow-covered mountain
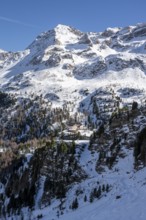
{"points": [[73, 126], [65, 59]]}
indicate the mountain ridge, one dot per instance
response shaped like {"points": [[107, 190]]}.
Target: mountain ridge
{"points": [[76, 54]]}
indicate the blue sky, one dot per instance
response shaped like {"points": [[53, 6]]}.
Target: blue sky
{"points": [[22, 20]]}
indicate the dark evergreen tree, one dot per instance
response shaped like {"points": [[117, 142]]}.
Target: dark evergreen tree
{"points": [[75, 204], [85, 198], [103, 187], [107, 188], [91, 199], [134, 105]]}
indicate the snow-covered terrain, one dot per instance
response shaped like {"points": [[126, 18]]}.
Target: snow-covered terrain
{"points": [[65, 60], [125, 200], [97, 76]]}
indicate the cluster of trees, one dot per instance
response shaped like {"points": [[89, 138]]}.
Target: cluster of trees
{"points": [[33, 118], [6, 100], [63, 171], [108, 133], [109, 159], [55, 161], [98, 192], [95, 193]]}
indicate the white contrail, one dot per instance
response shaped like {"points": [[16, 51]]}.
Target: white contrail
{"points": [[17, 22]]}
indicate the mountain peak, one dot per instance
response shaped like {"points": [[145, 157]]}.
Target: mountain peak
{"points": [[61, 27], [65, 34], [60, 34]]}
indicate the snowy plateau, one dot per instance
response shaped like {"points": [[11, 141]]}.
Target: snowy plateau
{"points": [[73, 126]]}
